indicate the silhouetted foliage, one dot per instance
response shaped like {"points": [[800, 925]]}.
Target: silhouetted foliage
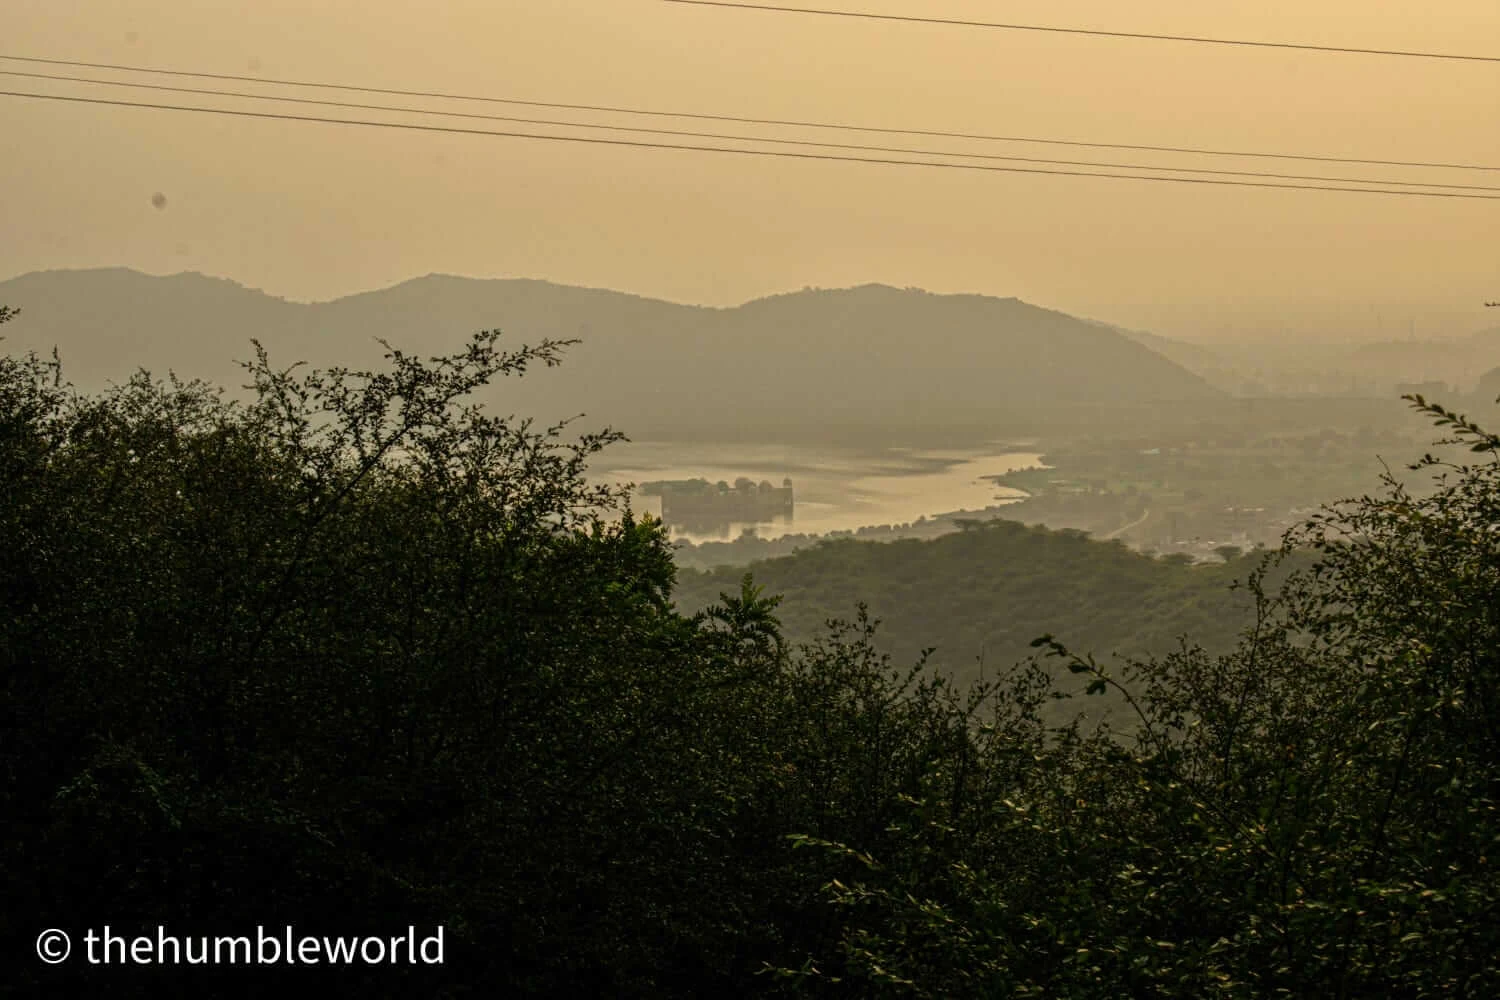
{"points": [[357, 655], [1313, 813]]}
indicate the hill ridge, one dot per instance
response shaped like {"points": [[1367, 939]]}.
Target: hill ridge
{"points": [[871, 357]]}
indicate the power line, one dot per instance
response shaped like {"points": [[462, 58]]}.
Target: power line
{"points": [[780, 154], [955, 22], [743, 120], [213, 92]]}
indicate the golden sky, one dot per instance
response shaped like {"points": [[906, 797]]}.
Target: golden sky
{"points": [[312, 211]]}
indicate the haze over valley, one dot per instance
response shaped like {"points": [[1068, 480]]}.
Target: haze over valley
{"points": [[890, 408], [719, 498]]}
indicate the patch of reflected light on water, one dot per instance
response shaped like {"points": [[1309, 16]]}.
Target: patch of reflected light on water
{"points": [[835, 490]]}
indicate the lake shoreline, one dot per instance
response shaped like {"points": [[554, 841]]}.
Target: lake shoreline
{"points": [[836, 491]]}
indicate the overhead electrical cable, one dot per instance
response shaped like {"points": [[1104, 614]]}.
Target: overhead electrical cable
{"points": [[1152, 36], [744, 120], [741, 151], [679, 133]]}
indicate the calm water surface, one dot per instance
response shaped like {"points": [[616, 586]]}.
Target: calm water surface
{"points": [[835, 490]]}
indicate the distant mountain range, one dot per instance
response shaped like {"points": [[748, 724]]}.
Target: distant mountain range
{"points": [[867, 357], [1458, 360], [1381, 368], [1215, 368]]}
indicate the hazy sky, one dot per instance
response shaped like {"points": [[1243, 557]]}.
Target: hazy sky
{"points": [[312, 211]]}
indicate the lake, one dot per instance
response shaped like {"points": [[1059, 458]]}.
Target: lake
{"points": [[835, 490]]}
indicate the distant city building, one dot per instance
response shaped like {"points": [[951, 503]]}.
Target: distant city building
{"points": [[1235, 522], [1221, 524]]}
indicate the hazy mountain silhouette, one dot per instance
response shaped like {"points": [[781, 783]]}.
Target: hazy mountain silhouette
{"points": [[1214, 367], [867, 357], [1458, 360]]}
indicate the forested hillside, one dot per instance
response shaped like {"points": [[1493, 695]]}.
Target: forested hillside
{"points": [[989, 589], [868, 361], [356, 656]]}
